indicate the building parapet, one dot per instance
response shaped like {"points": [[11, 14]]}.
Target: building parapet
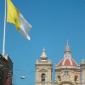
{"points": [[69, 67]]}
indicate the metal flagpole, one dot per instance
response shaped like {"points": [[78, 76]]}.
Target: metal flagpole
{"points": [[4, 33]]}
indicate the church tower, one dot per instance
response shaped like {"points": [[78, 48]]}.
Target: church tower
{"points": [[43, 70], [82, 74], [67, 71]]}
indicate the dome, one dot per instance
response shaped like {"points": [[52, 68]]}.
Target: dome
{"points": [[67, 60]]}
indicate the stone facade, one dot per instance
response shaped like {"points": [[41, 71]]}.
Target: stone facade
{"points": [[67, 71]]}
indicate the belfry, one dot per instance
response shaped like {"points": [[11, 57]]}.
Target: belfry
{"points": [[43, 70]]}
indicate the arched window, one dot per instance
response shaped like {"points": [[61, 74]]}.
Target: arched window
{"points": [[59, 78], [43, 77], [75, 78]]}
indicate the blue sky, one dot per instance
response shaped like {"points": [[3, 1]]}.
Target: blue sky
{"points": [[53, 23]]}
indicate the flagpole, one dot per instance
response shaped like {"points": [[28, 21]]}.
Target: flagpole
{"points": [[4, 33]]}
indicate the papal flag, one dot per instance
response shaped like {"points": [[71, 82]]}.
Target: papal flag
{"points": [[16, 18]]}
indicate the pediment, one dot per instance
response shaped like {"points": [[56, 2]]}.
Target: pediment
{"points": [[43, 70]]}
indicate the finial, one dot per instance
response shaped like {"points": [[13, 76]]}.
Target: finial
{"points": [[43, 49], [67, 52], [43, 54], [67, 44], [67, 48]]}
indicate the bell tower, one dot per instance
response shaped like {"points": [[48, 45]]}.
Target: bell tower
{"points": [[43, 70]]}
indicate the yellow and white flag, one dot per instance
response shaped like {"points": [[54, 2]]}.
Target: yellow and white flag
{"points": [[16, 18]]}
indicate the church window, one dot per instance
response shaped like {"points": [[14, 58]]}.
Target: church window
{"points": [[75, 78], [43, 77], [59, 78]]}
